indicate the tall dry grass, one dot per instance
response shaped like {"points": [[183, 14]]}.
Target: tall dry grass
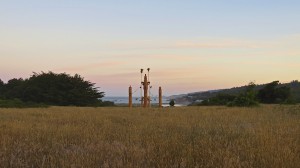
{"points": [[267, 136]]}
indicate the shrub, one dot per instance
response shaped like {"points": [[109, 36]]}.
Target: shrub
{"points": [[172, 103], [247, 99], [220, 100], [243, 101]]}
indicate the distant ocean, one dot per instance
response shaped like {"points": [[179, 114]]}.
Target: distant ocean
{"points": [[135, 100]]}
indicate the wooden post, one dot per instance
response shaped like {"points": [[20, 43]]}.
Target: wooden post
{"points": [[145, 83], [130, 97], [160, 97]]}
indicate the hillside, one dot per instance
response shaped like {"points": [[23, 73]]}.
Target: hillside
{"points": [[198, 96]]}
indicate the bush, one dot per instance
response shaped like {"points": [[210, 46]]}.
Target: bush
{"points": [[243, 101], [247, 99], [289, 101], [172, 103], [219, 100]]}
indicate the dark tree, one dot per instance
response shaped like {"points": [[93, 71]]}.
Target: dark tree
{"points": [[271, 93], [1, 89], [52, 89], [247, 98], [13, 89], [1, 83], [282, 94], [267, 94], [61, 89]]}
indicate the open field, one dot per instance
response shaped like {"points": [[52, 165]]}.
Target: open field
{"points": [[267, 136]]}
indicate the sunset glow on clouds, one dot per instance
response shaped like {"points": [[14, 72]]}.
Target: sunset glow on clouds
{"points": [[188, 46]]}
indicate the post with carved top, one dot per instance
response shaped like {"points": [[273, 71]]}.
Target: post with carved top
{"points": [[130, 97], [160, 97], [145, 85]]}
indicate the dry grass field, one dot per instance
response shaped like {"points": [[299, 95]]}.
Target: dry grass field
{"points": [[266, 136]]}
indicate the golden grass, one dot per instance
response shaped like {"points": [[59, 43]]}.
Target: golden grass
{"points": [[267, 136]]}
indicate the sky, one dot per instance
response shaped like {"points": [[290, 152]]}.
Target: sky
{"points": [[189, 45]]}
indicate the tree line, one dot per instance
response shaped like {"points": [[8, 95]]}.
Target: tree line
{"points": [[52, 89], [271, 93]]}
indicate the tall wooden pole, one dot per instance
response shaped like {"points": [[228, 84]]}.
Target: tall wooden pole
{"points": [[149, 94], [145, 83], [130, 97], [141, 89], [160, 97]]}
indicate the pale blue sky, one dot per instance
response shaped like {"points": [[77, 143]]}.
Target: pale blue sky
{"points": [[169, 18], [190, 45]]}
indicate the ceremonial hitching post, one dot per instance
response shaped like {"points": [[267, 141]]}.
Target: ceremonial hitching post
{"points": [[145, 92]]}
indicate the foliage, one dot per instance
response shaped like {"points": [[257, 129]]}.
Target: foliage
{"points": [[289, 101], [13, 89], [235, 91], [220, 99], [172, 103], [243, 100], [252, 94], [53, 89], [295, 90], [271, 93], [107, 104], [1, 88], [246, 99], [1, 83], [17, 103]]}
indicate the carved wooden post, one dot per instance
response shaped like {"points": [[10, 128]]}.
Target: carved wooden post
{"points": [[160, 97], [130, 97], [145, 83]]}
